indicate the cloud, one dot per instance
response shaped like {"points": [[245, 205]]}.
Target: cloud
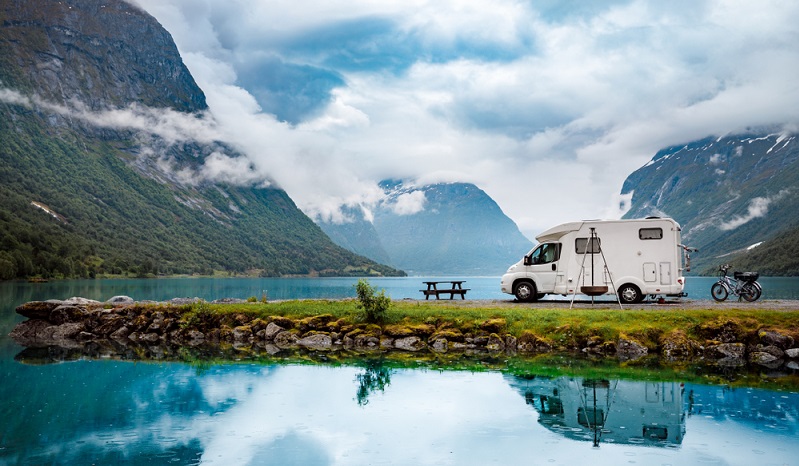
{"points": [[758, 207], [409, 203], [528, 100]]}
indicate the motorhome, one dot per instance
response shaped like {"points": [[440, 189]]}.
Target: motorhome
{"points": [[631, 258]]}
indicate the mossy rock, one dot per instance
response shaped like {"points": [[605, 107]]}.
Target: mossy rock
{"points": [[677, 345], [495, 325], [450, 334], [722, 330], [399, 331], [529, 342], [283, 322], [316, 322]]}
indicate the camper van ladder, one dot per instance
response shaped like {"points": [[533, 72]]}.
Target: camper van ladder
{"points": [[592, 247]]}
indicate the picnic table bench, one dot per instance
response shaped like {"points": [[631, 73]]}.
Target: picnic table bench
{"points": [[455, 287]]}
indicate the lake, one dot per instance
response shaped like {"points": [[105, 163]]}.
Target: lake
{"points": [[372, 411]]}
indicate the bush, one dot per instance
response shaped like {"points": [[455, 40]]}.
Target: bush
{"points": [[374, 306]]}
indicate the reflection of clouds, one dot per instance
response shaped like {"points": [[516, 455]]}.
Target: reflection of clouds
{"points": [[418, 420], [309, 415]]}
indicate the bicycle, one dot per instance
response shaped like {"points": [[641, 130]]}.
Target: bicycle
{"points": [[741, 284]]}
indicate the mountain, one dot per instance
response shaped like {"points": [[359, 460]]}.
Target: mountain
{"points": [[736, 198], [98, 175], [438, 229]]}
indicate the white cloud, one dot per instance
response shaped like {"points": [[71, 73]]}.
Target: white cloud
{"points": [[758, 207], [529, 102], [409, 203]]}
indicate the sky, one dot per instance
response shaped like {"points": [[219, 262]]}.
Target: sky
{"points": [[546, 105]]}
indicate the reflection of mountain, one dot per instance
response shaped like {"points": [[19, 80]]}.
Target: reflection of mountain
{"points": [[649, 413]]}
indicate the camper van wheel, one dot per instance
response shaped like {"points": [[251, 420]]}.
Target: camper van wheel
{"points": [[525, 291], [630, 294]]}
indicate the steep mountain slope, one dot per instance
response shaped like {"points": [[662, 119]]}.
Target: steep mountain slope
{"points": [[728, 194], [103, 147], [440, 229]]}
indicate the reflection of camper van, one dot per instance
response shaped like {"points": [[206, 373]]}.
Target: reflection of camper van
{"points": [[611, 411], [643, 257]]}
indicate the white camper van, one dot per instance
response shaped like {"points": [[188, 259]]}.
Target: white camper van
{"points": [[643, 257]]}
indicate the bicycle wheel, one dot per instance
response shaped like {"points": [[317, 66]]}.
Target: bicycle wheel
{"points": [[750, 292], [719, 292]]}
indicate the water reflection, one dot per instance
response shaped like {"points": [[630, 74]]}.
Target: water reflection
{"points": [[375, 377], [108, 412], [599, 410]]}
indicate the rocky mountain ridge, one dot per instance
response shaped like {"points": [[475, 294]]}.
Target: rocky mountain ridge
{"points": [[437, 229], [101, 122], [735, 197]]}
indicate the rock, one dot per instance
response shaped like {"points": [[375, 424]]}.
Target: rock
{"points": [[109, 324], [66, 313], [121, 300], [318, 341], [724, 331], [677, 345], [85, 336], [150, 337], [229, 301], [386, 342], [78, 301], [286, 339], [242, 333], [440, 345], [728, 352], [792, 365], [67, 331], [29, 332], [762, 358], [121, 333], [412, 343], [272, 330], [630, 349], [510, 342], [792, 353], [38, 309], [771, 349], [495, 343], [772, 338]]}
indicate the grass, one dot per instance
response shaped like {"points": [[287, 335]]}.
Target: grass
{"points": [[645, 325]]}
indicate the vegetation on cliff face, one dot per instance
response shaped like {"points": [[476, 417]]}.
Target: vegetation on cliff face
{"points": [[80, 198]]}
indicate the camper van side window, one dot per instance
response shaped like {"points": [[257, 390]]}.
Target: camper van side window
{"points": [[650, 233], [580, 245]]}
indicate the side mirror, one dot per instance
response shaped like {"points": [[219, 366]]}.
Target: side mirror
{"points": [[527, 260]]}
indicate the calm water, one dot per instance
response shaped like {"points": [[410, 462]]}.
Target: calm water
{"points": [[114, 412]]}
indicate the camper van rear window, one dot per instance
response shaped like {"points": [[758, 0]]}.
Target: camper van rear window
{"points": [[650, 233], [581, 243]]}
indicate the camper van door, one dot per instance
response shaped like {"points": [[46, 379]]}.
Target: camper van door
{"points": [[542, 263]]}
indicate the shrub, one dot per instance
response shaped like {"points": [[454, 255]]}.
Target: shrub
{"points": [[374, 306]]}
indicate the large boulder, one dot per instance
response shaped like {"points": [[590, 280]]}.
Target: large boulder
{"points": [[317, 341], [628, 348], [38, 309], [412, 343], [773, 338]]}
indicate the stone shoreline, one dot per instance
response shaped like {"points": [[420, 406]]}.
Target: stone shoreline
{"points": [[124, 328]]}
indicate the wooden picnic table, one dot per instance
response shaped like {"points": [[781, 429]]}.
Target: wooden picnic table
{"points": [[454, 287]]}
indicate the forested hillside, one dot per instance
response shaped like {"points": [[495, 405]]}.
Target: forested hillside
{"points": [[84, 193]]}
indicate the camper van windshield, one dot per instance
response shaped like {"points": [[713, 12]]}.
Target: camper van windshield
{"points": [[545, 253]]}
